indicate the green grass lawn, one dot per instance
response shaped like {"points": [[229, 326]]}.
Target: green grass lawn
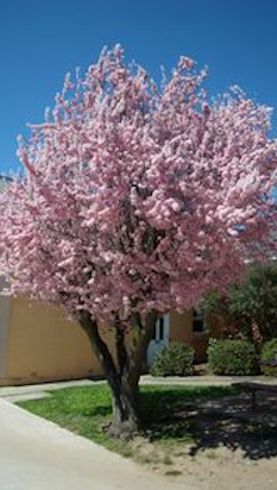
{"points": [[84, 410]]}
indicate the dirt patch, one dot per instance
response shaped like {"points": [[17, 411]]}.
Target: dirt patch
{"points": [[226, 445]]}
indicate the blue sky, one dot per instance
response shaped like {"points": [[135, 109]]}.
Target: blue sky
{"points": [[41, 41]]}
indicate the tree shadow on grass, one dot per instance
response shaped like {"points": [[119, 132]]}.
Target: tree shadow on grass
{"points": [[99, 410], [207, 422]]}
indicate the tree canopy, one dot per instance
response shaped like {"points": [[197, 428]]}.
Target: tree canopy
{"points": [[137, 198]]}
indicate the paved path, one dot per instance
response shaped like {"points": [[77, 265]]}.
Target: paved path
{"points": [[31, 392], [38, 455]]}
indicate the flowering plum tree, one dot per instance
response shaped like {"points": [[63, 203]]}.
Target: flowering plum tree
{"points": [[136, 200]]}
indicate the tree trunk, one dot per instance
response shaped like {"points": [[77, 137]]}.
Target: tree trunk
{"points": [[125, 409], [123, 375]]}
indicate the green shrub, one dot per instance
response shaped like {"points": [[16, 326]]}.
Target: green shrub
{"points": [[176, 359], [269, 356], [232, 357]]}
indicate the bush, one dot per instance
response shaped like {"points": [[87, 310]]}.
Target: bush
{"points": [[232, 357], [269, 356], [176, 359]]}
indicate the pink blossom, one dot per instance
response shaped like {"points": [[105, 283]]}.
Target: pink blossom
{"points": [[133, 198]]}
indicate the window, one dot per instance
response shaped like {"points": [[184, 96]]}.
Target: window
{"points": [[158, 333], [199, 324], [161, 328]]}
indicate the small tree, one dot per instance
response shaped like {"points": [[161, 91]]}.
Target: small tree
{"points": [[254, 302], [250, 306], [135, 202]]}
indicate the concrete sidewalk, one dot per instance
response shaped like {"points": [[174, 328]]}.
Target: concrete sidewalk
{"points": [[38, 455], [32, 392], [36, 391]]}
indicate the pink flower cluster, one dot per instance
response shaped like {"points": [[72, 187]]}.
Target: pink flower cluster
{"points": [[137, 198]]}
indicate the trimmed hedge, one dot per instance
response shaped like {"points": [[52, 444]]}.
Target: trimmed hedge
{"points": [[176, 359], [269, 356], [232, 357]]}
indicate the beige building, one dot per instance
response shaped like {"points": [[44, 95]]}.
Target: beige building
{"points": [[38, 343]]}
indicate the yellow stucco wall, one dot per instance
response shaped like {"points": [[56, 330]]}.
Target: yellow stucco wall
{"points": [[5, 306], [182, 331], [43, 345], [181, 327]]}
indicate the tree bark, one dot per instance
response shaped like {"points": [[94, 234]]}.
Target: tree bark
{"points": [[122, 374]]}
